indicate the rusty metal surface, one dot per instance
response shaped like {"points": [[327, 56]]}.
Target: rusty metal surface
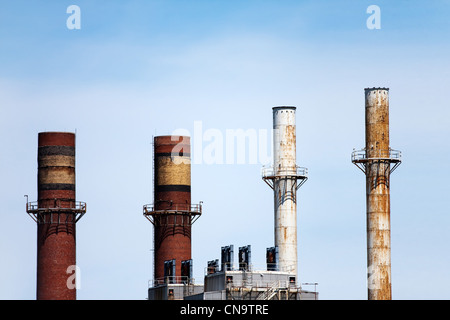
{"points": [[377, 160], [378, 195]]}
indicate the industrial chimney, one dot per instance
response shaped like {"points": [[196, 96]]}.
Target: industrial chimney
{"points": [[56, 213], [285, 178], [172, 213], [377, 160]]}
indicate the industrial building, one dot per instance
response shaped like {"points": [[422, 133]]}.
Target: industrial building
{"points": [[242, 282]]}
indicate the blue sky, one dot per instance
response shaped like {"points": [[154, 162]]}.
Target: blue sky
{"points": [[137, 69]]}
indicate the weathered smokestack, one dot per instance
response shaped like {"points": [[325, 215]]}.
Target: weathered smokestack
{"points": [[171, 213], [56, 213], [378, 161], [285, 177]]}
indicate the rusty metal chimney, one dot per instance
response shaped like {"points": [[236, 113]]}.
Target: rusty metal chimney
{"points": [[56, 213], [285, 178], [377, 160]]}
